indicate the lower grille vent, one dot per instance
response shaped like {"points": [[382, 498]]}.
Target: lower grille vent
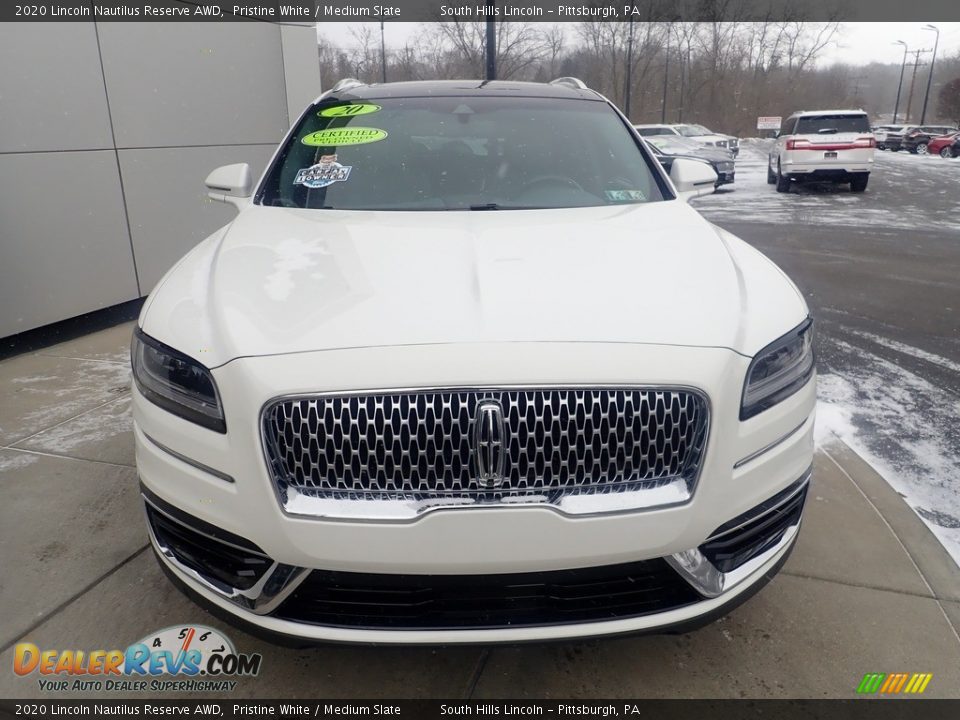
{"points": [[487, 601], [755, 532]]}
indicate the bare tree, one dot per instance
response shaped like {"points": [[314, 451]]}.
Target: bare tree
{"points": [[723, 71], [949, 101], [520, 46]]}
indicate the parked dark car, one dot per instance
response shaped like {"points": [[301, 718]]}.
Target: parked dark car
{"points": [[882, 132], [917, 139], [893, 140], [669, 147]]}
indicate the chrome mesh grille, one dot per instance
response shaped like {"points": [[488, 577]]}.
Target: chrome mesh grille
{"points": [[420, 443]]}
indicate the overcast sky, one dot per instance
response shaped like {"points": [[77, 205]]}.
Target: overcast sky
{"points": [[856, 43]]}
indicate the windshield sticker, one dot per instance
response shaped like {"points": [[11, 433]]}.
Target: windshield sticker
{"points": [[625, 195], [326, 172], [349, 110], [344, 136]]}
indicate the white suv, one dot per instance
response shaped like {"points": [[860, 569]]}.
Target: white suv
{"points": [[465, 368], [708, 137], [824, 145], [697, 133]]}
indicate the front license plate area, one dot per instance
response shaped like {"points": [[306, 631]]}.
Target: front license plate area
{"points": [[829, 155]]}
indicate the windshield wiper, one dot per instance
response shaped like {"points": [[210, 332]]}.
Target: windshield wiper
{"points": [[498, 206]]}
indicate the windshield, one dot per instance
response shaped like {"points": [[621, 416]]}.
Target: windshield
{"points": [[460, 153], [826, 124], [693, 130]]}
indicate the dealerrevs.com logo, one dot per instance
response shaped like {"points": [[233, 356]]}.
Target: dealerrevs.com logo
{"points": [[181, 658]]}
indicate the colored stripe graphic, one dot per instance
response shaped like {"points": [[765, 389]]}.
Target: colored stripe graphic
{"points": [[871, 682], [894, 683]]}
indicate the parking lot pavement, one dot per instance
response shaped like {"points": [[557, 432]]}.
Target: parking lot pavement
{"points": [[868, 589], [879, 271]]}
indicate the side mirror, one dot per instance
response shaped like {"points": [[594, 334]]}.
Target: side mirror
{"points": [[231, 184], [692, 178]]}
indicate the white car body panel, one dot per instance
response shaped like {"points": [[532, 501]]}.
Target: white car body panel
{"points": [[289, 302], [370, 279]]}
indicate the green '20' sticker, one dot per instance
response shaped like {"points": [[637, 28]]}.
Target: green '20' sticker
{"points": [[349, 110], [344, 136]]}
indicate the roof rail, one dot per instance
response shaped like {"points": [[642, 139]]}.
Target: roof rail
{"points": [[571, 82], [346, 84]]}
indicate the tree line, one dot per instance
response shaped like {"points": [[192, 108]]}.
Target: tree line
{"points": [[721, 74]]}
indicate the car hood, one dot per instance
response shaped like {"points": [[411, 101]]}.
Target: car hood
{"points": [[711, 138], [280, 280], [705, 153]]}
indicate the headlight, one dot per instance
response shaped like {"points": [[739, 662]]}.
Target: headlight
{"points": [[779, 370], [176, 382]]}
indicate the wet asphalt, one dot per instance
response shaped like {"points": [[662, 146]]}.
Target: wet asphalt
{"points": [[881, 274]]}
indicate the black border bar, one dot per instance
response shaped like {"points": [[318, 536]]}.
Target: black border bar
{"points": [[852, 709], [332, 11]]}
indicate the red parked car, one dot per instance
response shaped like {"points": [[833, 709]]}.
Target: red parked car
{"points": [[944, 146], [917, 139]]}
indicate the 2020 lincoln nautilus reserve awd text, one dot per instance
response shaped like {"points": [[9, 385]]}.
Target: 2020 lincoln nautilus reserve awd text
{"points": [[466, 367]]}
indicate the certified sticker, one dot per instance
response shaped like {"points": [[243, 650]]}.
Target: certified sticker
{"points": [[349, 110], [326, 172], [333, 137]]}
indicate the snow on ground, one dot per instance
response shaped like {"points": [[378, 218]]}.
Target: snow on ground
{"points": [[906, 427], [752, 200]]}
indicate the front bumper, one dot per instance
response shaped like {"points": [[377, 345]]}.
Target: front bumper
{"points": [[235, 580], [746, 464]]}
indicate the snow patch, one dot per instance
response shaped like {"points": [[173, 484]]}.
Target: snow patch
{"points": [[95, 426], [911, 351], [15, 461], [905, 427]]}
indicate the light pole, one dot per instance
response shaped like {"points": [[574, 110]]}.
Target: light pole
{"points": [[491, 52], [926, 97], [629, 79], [383, 53], [903, 66], [666, 74]]}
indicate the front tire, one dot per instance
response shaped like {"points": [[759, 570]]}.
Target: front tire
{"points": [[946, 152], [858, 183], [922, 149], [783, 181]]}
